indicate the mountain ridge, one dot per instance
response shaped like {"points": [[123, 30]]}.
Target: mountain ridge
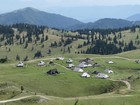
{"points": [[135, 17], [37, 17], [33, 16]]}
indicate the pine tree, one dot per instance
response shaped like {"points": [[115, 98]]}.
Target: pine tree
{"points": [[17, 57]]}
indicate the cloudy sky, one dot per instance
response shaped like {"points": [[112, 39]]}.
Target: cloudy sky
{"points": [[63, 7]]}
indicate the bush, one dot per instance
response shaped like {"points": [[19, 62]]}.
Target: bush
{"points": [[3, 60]]}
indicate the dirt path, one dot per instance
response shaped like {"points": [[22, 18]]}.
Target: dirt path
{"points": [[17, 99], [111, 57], [127, 84], [72, 98], [24, 97], [62, 66], [97, 97]]}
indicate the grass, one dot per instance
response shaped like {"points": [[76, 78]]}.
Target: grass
{"points": [[35, 79], [95, 101], [70, 84], [131, 54]]}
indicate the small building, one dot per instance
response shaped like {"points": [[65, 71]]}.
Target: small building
{"points": [[110, 62], [41, 63], [89, 65], [70, 65], [77, 69], [102, 75], [138, 61], [87, 60], [60, 58], [20, 64], [85, 74], [82, 65], [95, 72], [51, 62], [53, 72], [69, 61], [96, 65], [108, 71]]}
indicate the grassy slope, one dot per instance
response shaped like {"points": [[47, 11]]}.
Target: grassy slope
{"points": [[135, 54], [69, 83], [35, 79], [55, 36]]}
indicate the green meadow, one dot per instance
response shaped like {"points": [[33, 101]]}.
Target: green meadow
{"points": [[68, 87]]}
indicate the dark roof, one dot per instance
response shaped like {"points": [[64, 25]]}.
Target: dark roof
{"points": [[95, 72], [53, 72]]}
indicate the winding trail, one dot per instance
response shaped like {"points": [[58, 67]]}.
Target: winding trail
{"points": [[127, 84], [17, 99], [70, 98], [24, 97]]}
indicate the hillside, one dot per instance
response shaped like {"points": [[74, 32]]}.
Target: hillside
{"points": [[34, 84], [37, 17], [38, 42], [68, 87], [105, 23]]}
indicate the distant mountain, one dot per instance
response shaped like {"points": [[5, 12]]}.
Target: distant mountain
{"points": [[104, 24], [135, 17], [94, 13], [37, 17], [112, 23]]}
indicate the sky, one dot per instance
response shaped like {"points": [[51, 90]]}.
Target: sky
{"points": [[8, 5], [61, 6]]}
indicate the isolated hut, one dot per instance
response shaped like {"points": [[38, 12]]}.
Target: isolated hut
{"points": [[41, 63], [110, 62], [69, 61], [20, 64], [53, 72], [51, 62], [85, 74], [60, 58]]}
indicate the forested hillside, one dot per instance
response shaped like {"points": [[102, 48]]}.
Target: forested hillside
{"points": [[24, 41]]}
